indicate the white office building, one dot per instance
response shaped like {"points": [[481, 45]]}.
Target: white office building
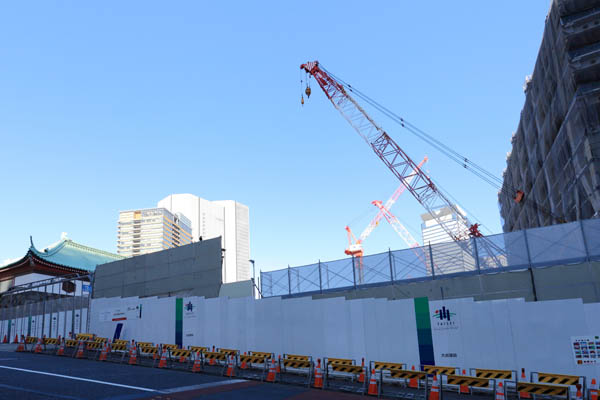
{"points": [[151, 229], [448, 256], [210, 219]]}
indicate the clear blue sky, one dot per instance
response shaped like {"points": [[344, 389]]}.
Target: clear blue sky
{"points": [[113, 105]]}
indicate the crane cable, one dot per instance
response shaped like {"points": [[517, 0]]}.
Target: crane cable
{"points": [[463, 161]]}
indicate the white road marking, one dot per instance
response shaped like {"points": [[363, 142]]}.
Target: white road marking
{"points": [[81, 379], [203, 386]]}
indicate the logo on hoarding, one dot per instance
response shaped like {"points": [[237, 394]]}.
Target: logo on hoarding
{"points": [[444, 319], [443, 314], [189, 307]]}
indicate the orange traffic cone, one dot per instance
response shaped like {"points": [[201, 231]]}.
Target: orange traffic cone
{"points": [[272, 372], [524, 395], [212, 360], [16, 338], [244, 365], [413, 382], [104, 353], [579, 395], [594, 390], [21, 346], [163, 359], [38, 346], [361, 377], [373, 390], [61, 349], [500, 392], [464, 388], [318, 375], [230, 368], [182, 359], [197, 367], [80, 350], [435, 390], [5, 339], [278, 370], [133, 354]]}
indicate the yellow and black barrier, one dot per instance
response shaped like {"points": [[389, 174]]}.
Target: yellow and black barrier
{"points": [[84, 336], [230, 352], [543, 389], [101, 339], [120, 341], [471, 381], [254, 359], [263, 354], [557, 379], [291, 363], [297, 369], [166, 346], [145, 344], [439, 370], [504, 374], [214, 355], [53, 341], [381, 365], [343, 361], [198, 349], [31, 340], [296, 357], [400, 377], [343, 369], [93, 345]]}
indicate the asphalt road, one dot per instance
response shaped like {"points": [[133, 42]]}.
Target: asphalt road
{"points": [[38, 376]]}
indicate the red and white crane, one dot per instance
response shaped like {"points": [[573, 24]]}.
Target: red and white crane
{"points": [[398, 162]]}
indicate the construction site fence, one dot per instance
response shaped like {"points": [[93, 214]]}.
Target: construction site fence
{"points": [[568, 243]]}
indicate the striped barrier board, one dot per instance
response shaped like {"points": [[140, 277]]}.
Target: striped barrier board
{"points": [[467, 381], [405, 374], [253, 359], [166, 346], [261, 354], [296, 357], [51, 341], [351, 369], [118, 347], [145, 344], [557, 379], [71, 343], [212, 355], [101, 339], [229, 352], [377, 365], [93, 345], [342, 361], [84, 336], [180, 353], [31, 340], [540, 388], [120, 341], [293, 363], [198, 349], [148, 350], [493, 373], [438, 370]]}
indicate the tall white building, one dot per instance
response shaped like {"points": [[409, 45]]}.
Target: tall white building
{"points": [[209, 219], [151, 229], [448, 256]]}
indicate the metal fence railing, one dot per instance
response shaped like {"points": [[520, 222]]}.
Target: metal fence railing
{"points": [[568, 243]]}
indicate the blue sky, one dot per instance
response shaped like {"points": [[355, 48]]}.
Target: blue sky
{"points": [[113, 105]]}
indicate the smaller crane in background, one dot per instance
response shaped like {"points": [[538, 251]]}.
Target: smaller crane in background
{"points": [[355, 249]]}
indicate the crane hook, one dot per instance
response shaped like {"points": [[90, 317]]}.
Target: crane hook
{"points": [[307, 91], [301, 99]]}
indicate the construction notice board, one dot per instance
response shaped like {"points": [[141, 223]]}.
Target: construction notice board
{"points": [[586, 349]]}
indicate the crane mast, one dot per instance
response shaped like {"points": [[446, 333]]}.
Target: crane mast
{"points": [[397, 161]]}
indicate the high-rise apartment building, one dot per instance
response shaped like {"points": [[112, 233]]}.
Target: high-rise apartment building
{"points": [[449, 256], [553, 170], [151, 229], [210, 219]]}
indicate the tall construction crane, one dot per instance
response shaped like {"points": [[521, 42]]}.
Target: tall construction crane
{"points": [[398, 162]]}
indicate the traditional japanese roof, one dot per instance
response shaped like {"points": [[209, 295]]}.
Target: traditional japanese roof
{"points": [[67, 253]]}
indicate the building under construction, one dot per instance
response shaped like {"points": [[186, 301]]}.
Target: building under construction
{"points": [[552, 173]]}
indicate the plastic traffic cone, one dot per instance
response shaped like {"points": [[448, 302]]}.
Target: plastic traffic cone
{"points": [[361, 377], [16, 338], [104, 353], [197, 367], [80, 350], [318, 375], [61, 348], [579, 395], [230, 367], [244, 365], [464, 388], [593, 390], [278, 370], [163, 359], [212, 360], [500, 392], [21, 346], [272, 372], [435, 390], [38, 346], [133, 354], [5, 340], [373, 384], [524, 395], [413, 382]]}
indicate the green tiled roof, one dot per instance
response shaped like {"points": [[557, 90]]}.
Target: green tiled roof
{"points": [[68, 253]]}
